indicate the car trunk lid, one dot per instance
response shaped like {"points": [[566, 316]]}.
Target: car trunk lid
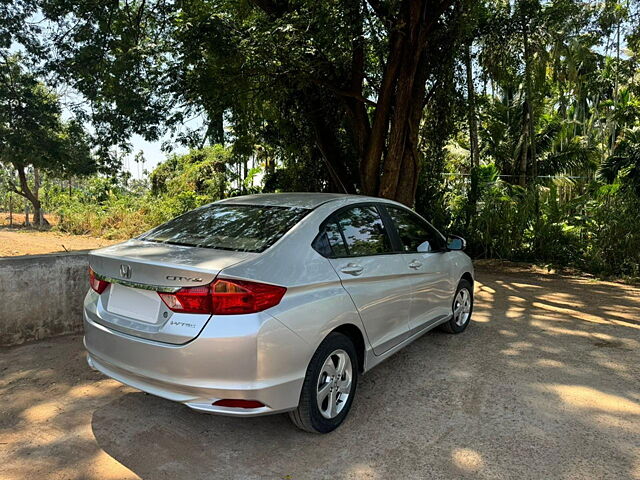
{"points": [[137, 270]]}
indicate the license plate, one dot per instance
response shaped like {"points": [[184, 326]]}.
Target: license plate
{"points": [[134, 303]]}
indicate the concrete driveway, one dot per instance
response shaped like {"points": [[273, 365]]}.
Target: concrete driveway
{"points": [[544, 384]]}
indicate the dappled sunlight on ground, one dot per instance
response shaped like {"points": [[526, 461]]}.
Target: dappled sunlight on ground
{"points": [[579, 396], [544, 384], [467, 459], [45, 418], [362, 471]]}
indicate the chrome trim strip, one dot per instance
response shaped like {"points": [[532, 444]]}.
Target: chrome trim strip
{"points": [[143, 286]]}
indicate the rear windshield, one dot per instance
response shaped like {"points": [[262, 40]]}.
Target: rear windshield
{"points": [[244, 228]]}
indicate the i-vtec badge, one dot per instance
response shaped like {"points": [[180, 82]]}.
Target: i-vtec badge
{"points": [[175, 278]]}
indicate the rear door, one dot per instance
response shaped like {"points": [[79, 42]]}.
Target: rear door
{"points": [[373, 275], [428, 270]]}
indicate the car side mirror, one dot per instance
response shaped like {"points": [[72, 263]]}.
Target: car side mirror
{"points": [[424, 247], [454, 242]]}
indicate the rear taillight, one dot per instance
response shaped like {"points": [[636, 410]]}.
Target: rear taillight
{"points": [[224, 297], [189, 300], [96, 284]]}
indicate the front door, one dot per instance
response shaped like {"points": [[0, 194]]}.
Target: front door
{"points": [[428, 262]]}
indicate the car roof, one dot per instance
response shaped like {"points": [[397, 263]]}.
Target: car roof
{"points": [[299, 200]]}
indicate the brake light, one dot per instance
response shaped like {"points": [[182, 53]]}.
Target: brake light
{"points": [[96, 284], [224, 297]]}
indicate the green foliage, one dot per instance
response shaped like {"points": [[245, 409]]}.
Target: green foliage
{"points": [[624, 164], [300, 92], [113, 207], [33, 135], [304, 77], [203, 172], [596, 229], [558, 117], [615, 236], [118, 215], [31, 126]]}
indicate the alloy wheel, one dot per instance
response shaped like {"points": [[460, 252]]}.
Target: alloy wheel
{"points": [[334, 384], [462, 307]]}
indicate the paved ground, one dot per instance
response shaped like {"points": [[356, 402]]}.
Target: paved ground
{"points": [[544, 384]]}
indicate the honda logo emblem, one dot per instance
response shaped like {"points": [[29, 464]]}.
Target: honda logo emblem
{"points": [[125, 271]]}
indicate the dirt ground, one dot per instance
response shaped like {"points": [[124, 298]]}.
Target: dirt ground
{"points": [[23, 241], [18, 240], [18, 219], [545, 383]]}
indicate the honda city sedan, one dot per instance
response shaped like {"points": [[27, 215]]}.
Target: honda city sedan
{"points": [[272, 303]]}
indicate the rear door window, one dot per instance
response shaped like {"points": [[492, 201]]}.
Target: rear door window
{"points": [[363, 231], [246, 228]]}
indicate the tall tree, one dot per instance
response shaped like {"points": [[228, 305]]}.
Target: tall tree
{"points": [[33, 137], [353, 76]]}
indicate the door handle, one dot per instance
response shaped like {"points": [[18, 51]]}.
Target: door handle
{"points": [[415, 264], [352, 269]]}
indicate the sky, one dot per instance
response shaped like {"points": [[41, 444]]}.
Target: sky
{"points": [[152, 152]]}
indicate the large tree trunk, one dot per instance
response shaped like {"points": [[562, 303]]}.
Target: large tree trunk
{"points": [[410, 169], [370, 164], [385, 137], [403, 118], [391, 165]]}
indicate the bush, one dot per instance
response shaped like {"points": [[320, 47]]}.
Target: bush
{"points": [[118, 208], [598, 230], [120, 214], [613, 246]]}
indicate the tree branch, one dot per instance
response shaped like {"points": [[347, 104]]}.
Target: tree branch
{"points": [[344, 93]]}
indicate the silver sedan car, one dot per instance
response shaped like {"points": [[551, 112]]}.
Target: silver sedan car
{"points": [[272, 303]]}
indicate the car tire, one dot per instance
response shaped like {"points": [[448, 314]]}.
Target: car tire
{"points": [[462, 308], [329, 386]]}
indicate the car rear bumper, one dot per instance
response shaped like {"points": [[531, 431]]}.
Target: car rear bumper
{"points": [[227, 361]]}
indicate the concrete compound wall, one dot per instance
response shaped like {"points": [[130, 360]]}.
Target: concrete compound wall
{"points": [[41, 296]]}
